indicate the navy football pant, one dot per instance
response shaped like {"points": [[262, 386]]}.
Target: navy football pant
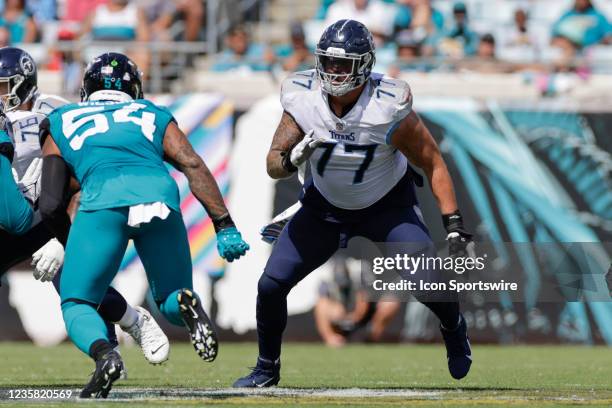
{"points": [[306, 243], [18, 248]]}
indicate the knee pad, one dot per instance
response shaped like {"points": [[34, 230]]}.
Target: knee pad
{"points": [[270, 288]]}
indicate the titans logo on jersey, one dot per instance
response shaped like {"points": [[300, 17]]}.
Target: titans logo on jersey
{"points": [[115, 150], [357, 166]]}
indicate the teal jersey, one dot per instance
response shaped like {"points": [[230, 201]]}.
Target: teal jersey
{"points": [[4, 137], [115, 150]]}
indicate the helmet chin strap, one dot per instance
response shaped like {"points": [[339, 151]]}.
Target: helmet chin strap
{"points": [[108, 95]]}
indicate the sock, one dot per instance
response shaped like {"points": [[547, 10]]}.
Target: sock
{"points": [[170, 308], [112, 334], [113, 305], [83, 324], [99, 348], [129, 317]]}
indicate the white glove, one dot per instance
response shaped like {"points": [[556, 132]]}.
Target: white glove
{"points": [[303, 150], [48, 260], [30, 182]]}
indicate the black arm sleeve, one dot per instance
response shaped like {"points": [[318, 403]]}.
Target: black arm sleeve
{"points": [[54, 196], [44, 130], [7, 150]]}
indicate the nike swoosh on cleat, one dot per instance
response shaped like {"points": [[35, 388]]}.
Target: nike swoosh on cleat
{"points": [[157, 349], [263, 384]]}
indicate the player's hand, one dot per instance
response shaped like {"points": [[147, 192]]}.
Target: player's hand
{"points": [[460, 242], [303, 150], [230, 244], [30, 182], [47, 260], [272, 231]]}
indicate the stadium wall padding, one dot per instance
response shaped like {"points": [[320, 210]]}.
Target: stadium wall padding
{"points": [[548, 163]]}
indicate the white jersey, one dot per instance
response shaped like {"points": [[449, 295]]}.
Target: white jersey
{"points": [[25, 130], [359, 166]]}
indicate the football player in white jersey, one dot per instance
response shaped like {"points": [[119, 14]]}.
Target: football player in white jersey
{"points": [[25, 107], [357, 131]]}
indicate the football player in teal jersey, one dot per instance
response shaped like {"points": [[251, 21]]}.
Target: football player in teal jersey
{"points": [[16, 213], [113, 146]]}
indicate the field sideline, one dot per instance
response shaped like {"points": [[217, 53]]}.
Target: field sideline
{"points": [[316, 376]]}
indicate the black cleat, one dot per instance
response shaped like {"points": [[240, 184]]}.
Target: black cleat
{"points": [[265, 374], [458, 350], [108, 370], [203, 336]]}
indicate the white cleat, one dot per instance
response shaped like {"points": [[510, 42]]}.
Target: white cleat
{"points": [[150, 337]]}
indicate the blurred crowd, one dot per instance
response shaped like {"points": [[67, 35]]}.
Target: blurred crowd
{"points": [[410, 35], [28, 21], [413, 35]]}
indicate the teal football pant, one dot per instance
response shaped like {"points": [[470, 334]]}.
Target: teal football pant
{"points": [[16, 215], [95, 248]]}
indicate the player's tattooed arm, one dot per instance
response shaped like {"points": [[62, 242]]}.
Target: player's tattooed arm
{"points": [[415, 141], [179, 152], [287, 135]]}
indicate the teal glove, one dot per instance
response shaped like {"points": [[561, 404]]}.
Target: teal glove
{"points": [[230, 244]]}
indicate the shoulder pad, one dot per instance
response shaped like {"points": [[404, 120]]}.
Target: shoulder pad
{"points": [[296, 84], [45, 104], [393, 96]]}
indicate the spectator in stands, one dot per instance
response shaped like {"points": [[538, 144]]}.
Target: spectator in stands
{"points": [[418, 15], [374, 14], [192, 12], [486, 47], [241, 54], [42, 10], [159, 17], [345, 308], [117, 20], [120, 20], [5, 37], [520, 35], [296, 56], [460, 40], [581, 27], [409, 53], [322, 11], [18, 22], [79, 10]]}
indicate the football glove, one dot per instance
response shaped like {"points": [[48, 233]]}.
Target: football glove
{"points": [[30, 182], [460, 242], [47, 260], [304, 149], [272, 231], [230, 244]]}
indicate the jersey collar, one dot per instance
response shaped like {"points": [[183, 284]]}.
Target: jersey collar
{"points": [[107, 95]]}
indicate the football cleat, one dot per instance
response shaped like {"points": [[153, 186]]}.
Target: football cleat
{"points": [[124, 373], [266, 373], [150, 337], [108, 370], [458, 349], [203, 336]]}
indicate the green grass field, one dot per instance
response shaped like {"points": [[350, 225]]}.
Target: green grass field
{"points": [[313, 376]]}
